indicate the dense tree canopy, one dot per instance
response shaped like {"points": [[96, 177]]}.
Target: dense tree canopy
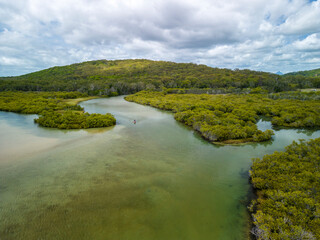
{"points": [[288, 206], [309, 73], [298, 95], [74, 120]]}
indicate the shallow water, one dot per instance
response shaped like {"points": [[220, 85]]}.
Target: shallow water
{"points": [[156, 179]]}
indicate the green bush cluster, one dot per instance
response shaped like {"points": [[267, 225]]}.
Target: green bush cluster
{"points": [[54, 109], [288, 185], [295, 113], [74, 120], [298, 95], [231, 116]]}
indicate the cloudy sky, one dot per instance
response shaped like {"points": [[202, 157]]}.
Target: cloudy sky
{"points": [[264, 35]]}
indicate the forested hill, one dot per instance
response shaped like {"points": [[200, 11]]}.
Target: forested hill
{"points": [[103, 77], [310, 73]]}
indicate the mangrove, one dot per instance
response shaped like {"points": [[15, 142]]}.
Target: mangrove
{"points": [[56, 109]]}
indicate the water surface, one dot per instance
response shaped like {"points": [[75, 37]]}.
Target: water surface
{"points": [[156, 179]]}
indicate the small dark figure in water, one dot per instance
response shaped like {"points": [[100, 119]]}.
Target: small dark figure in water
{"points": [[134, 121]]}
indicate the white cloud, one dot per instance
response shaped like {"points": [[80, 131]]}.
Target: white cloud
{"points": [[304, 21], [10, 61], [310, 43], [255, 34]]}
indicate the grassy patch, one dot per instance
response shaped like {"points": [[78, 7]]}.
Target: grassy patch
{"points": [[78, 100], [307, 90]]}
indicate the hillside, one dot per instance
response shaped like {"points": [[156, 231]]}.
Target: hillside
{"points": [[310, 73], [103, 77]]}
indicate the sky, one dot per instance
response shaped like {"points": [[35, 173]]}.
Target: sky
{"points": [[263, 35]]}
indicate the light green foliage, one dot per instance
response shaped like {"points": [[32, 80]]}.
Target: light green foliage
{"points": [[104, 77], [54, 109], [298, 95], [36, 102], [289, 185], [75, 120]]}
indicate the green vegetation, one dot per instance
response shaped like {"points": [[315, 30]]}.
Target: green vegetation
{"points": [[74, 120], [37, 102], [309, 73], [56, 109], [299, 95], [232, 118], [111, 78], [288, 182]]}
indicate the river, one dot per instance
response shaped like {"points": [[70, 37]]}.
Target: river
{"points": [[156, 179]]}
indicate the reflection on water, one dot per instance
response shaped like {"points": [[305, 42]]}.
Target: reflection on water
{"points": [[153, 180]]}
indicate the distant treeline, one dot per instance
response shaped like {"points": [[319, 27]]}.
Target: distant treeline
{"points": [[309, 73], [111, 78]]}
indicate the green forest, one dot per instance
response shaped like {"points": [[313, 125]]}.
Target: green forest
{"points": [[55, 109], [103, 77], [288, 184]]}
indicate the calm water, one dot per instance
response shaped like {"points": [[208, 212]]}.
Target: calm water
{"points": [[153, 180]]}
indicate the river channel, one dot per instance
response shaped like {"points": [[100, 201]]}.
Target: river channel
{"points": [[156, 179]]}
